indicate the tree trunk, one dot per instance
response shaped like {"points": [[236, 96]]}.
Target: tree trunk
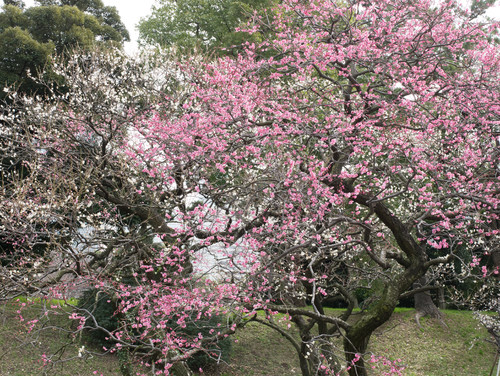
{"points": [[424, 305], [358, 335], [441, 298], [355, 347]]}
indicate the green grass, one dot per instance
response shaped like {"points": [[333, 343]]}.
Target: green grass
{"points": [[21, 354], [460, 349], [434, 350]]}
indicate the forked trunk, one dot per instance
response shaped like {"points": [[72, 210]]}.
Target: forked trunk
{"points": [[357, 337]]}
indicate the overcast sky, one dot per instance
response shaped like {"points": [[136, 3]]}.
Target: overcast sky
{"points": [[131, 11]]}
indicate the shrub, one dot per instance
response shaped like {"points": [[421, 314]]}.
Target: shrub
{"points": [[102, 307], [217, 351]]}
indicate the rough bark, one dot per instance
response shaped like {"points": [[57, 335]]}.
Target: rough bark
{"points": [[357, 337], [441, 298], [424, 305], [414, 263]]}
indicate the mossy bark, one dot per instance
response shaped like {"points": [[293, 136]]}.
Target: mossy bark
{"points": [[358, 335]]}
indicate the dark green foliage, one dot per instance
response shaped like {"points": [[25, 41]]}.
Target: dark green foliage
{"points": [[221, 350], [100, 305], [21, 54], [63, 26], [112, 28], [200, 24], [16, 3], [28, 37], [125, 364]]}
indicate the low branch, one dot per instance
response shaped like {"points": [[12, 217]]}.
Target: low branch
{"points": [[280, 331], [316, 316], [416, 291]]}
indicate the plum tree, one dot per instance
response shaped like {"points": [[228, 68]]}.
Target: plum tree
{"points": [[361, 155]]}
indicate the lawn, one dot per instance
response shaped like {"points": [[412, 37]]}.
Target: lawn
{"points": [[463, 348]]}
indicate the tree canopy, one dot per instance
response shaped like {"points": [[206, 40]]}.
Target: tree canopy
{"points": [[112, 28], [28, 37], [202, 24]]}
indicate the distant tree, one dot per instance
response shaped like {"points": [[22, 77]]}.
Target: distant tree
{"points": [[28, 37], [21, 54], [16, 3], [108, 16], [205, 25]]}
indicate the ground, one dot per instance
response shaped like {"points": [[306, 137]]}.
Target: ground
{"points": [[461, 349]]}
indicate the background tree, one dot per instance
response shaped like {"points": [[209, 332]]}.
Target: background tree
{"points": [[200, 24], [22, 54], [28, 40], [28, 37], [17, 3], [108, 17]]}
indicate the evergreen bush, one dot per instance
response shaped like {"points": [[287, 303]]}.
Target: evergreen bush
{"points": [[102, 307]]}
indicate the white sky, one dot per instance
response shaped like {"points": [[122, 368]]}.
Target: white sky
{"points": [[131, 11]]}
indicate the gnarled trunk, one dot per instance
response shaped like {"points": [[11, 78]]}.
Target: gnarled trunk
{"points": [[357, 337], [424, 305]]}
